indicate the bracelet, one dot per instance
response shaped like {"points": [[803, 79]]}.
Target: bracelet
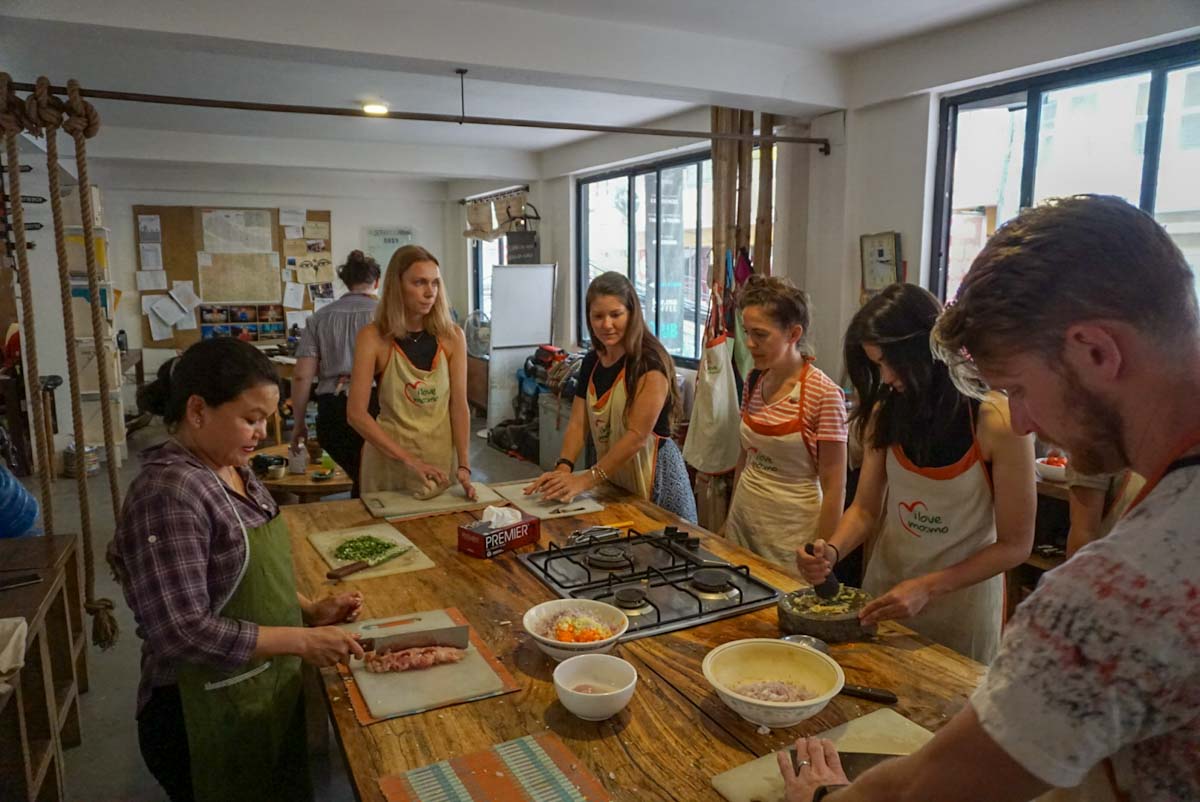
{"points": [[466, 468], [598, 471], [564, 461], [835, 551]]}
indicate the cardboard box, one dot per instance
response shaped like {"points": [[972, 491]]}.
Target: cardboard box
{"points": [[481, 540]]}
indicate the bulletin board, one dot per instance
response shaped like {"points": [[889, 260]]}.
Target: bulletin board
{"points": [[241, 286]]}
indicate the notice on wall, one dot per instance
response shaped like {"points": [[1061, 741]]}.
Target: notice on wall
{"points": [[158, 329], [149, 228], [292, 216], [241, 277], [151, 280], [298, 317], [295, 248], [293, 295], [245, 231], [314, 229], [293, 232], [168, 310], [151, 256], [187, 322], [185, 295], [383, 242]]}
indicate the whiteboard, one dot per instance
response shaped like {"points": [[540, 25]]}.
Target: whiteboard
{"points": [[522, 305]]}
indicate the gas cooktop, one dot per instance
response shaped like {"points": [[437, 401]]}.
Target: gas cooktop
{"points": [[662, 580]]}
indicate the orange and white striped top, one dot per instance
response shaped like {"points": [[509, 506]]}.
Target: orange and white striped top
{"points": [[823, 416]]}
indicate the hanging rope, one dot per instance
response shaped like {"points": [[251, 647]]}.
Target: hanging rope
{"points": [[12, 122], [82, 123], [45, 113]]}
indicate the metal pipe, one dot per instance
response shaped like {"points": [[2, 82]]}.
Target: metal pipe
{"points": [[493, 196], [329, 111]]}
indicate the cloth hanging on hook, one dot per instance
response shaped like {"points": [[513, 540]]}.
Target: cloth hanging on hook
{"points": [[510, 212], [479, 222]]}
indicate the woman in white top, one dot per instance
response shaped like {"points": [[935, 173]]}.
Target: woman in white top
{"points": [[790, 483], [945, 481]]}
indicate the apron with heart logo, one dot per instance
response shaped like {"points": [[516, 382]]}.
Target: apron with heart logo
{"points": [[935, 518], [414, 410]]}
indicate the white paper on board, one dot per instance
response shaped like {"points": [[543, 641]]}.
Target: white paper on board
{"points": [[151, 253], [298, 318], [185, 295], [151, 280], [293, 295], [292, 216], [158, 329], [168, 310]]}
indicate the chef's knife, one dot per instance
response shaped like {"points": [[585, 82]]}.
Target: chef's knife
{"points": [[456, 636], [362, 565], [853, 763]]}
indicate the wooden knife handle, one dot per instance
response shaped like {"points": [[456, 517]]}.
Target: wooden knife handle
{"points": [[872, 694], [346, 570]]}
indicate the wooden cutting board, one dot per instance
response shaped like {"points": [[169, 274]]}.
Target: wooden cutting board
{"points": [[414, 559], [376, 697], [534, 505], [398, 505], [883, 732]]}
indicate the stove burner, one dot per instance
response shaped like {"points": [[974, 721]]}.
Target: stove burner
{"points": [[711, 580], [610, 557], [630, 598]]}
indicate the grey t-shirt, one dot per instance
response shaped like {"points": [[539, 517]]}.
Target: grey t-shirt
{"points": [[330, 334]]}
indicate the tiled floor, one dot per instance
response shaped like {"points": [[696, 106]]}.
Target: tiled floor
{"points": [[108, 766]]}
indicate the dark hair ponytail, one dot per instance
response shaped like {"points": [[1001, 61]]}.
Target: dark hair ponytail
{"points": [[359, 269], [217, 370]]}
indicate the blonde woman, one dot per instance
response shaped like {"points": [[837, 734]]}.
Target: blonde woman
{"points": [[418, 358]]}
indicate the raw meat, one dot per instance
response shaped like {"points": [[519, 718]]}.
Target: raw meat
{"points": [[773, 691], [413, 659]]}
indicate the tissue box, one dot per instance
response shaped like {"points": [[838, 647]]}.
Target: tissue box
{"points": [[481, 540]]}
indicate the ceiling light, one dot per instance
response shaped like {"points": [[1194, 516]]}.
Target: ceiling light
{"points": [[375, 108]]}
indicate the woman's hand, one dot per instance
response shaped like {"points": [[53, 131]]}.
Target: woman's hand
{"points": [[537, 485], [299, 431], [326, 646], [429, 473], [817, 764], [338, 609], [818, 565], [903, 601], [464, 479], [565, 486]]}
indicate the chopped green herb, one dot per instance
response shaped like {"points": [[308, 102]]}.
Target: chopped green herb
{"points": [[366, 547]]}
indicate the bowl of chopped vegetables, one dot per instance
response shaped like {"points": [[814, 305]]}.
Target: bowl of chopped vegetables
{"points": [[564, 628], [772, 683]]}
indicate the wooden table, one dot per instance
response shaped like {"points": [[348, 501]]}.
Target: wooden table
{"points": [[303, 485], [674, 735]]}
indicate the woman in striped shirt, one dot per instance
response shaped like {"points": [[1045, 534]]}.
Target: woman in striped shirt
{"points": [[790, 482]]}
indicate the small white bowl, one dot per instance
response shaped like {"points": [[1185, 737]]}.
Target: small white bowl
{"points": [[1055, 473], [538, 617], [768, 659], [595, 669]]}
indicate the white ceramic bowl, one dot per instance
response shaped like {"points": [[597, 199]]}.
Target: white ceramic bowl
{"points": [[538, 618], [768, 659], [1055, 473], [595, 669]]}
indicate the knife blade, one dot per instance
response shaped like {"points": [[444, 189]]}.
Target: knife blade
{"points": [[853, 763], [362, 565], [456, 636], [873, 694]]}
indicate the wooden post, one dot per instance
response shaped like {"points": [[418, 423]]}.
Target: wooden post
{"points": [[764, 224], [717, 276], [745, 160]]}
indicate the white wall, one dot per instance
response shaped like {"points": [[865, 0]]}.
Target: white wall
{"points": [[354, 201]]}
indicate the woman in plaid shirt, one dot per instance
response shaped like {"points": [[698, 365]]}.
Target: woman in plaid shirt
{"points": [[205, 563]]}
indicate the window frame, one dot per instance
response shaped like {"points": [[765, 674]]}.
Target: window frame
{"points": [[1157, 62], [477, 269], [695, 159]]}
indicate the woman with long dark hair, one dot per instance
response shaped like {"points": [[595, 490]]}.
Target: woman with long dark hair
{"points": [[326, 353], [418, 357], [205, 563], [628, 400], [945, 481]]}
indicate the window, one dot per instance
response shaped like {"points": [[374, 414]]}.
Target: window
{"points": [[1128, 127], [485, 256], [653, 223]]}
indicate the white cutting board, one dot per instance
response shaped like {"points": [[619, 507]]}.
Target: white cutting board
{"points": [[404, 692], [534, 504], [883, 732], [414, 559], [398, 505]]}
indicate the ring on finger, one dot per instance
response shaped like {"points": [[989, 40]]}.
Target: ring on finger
{"points": [[802, 764]]}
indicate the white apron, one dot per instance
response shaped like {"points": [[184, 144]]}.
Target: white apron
{"points": [[935, 518], [414, 409], [711, 445], [777, 502], [606, 420]]}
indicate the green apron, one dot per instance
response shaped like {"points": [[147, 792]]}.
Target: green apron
{"points": [[246, 733]]}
